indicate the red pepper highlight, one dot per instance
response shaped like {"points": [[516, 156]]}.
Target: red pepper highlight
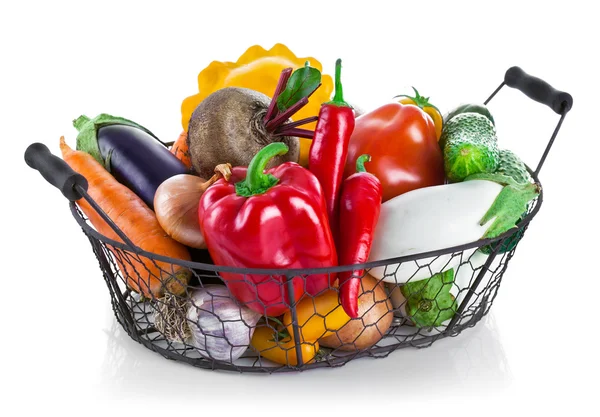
{"points": [[329, 148], [268, 219], [360, 204]]}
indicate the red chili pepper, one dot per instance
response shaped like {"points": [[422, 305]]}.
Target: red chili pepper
{"points": [[360, 204], [273, 219], [329, 147]]}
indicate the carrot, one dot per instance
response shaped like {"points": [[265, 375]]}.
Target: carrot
{"points": [[137, 221], [181, 150]]}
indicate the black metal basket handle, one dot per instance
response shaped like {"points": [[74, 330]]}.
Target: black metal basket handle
{"points": [[55, 171], [542, 92], [72, 184]]}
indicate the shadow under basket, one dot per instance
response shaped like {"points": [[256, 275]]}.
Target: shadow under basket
{"points": [[393, 322]]}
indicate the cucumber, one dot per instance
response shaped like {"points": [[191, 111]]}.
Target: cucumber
{"points": [[470, 108], [469, 145], [511, 165]]}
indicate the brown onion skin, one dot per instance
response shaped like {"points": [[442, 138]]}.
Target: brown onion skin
{"points": [[176, 205], [374, 319]]}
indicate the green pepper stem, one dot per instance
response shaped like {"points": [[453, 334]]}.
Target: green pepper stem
{"points": [[80, 121], [360, 162], [338, 98], [257, 182]]}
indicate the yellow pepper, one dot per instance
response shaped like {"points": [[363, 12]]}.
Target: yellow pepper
{"points": [[282, 351], [259, 70], [430, 109], [318, 317]]}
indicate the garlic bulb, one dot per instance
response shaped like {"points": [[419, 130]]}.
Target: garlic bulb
{"points": [[221, 329]]}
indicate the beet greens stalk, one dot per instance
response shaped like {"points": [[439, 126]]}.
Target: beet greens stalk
{"points": [[291, 94]]}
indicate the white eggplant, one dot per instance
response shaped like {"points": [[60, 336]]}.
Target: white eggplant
{"points": [[443, 216]]}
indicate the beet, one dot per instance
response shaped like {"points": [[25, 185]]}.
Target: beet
{"points": [[228, 126]]}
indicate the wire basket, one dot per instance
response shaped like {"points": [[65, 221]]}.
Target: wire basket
{"points": [[185, 326]]}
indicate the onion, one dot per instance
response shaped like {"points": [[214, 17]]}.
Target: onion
{"points": [[374, 319], [220, 328], [176, 205]]}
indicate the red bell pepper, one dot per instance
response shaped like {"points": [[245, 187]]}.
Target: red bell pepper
{"points": [[329, 147], [269, 220], [360, 204]]}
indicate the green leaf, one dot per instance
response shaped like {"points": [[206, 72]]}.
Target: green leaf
{"points": [[429, 302], [303, 82], [509, 206]]}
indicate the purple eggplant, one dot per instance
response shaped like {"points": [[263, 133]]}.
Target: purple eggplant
{"points": [[130, 152]]}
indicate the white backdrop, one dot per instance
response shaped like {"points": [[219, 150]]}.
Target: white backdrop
{"points": [[62, 352]]}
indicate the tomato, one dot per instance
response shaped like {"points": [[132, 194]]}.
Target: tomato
{"points": [[402, 142], [427, 107]]}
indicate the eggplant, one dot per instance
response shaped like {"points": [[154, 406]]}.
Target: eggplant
{"points": [[130, 152]]}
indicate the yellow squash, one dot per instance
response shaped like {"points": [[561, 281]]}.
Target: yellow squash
{"points": [[318, 317], [259, 70], [283, 351]]}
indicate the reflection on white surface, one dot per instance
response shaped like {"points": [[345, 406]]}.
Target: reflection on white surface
{"points": [[473, 361]]}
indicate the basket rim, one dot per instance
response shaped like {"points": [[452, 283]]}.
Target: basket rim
{"points": [[311, 271]]}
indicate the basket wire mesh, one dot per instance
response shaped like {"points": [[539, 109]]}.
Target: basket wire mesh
{"points": [[161, 324]]}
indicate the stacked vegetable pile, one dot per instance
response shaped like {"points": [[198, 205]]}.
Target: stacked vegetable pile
{"points": [[271, 172]]}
